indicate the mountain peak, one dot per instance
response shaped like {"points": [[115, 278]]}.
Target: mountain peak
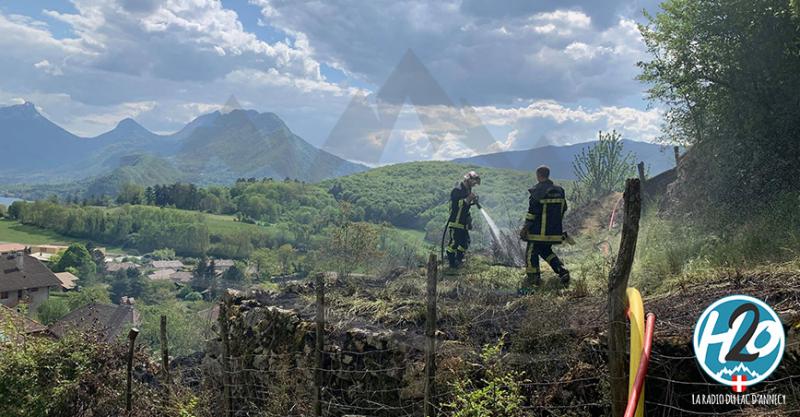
{"points": [[129, 124], [26, 109]]}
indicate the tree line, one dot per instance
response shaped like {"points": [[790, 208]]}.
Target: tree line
{"points": [[140, 227]]}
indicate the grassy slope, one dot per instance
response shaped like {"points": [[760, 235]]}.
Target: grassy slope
{"points": [[410, 192], [13, 231]]}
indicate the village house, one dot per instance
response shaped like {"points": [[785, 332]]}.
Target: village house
{"points": [[117, 266], [105, 321], [161, 274], [45, 252], [24, 279], [222, 265], [15, 327], [12, 247], [68, 280], [175, 265], [181, 277]]}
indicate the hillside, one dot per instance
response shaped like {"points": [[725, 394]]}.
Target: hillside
{"points": [[144, 170], [411, 194], [657, 158], [245, 143]]}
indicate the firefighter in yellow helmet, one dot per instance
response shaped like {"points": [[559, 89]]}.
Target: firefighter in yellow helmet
{"points": [[543, 229], [460, 222]]}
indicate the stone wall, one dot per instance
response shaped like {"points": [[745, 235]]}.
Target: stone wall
{"points": [[367, 370]]}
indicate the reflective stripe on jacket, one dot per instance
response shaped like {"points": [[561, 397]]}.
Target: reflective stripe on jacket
{"points": [[546, 207]]}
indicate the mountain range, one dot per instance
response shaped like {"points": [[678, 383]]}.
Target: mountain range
{"points": [[657, 158], [215, 148]]}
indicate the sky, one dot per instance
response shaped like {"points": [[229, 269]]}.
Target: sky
{"points": [[377, 81]]}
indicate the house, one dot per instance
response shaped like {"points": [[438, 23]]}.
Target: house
{"points": [[48, 249], [12, 247], [117, 266], [45, 252], [161, 274], [181, 277], [16, 327], [24, 279], [68, 281], [222, 265], [106, 321], [176, 265]]}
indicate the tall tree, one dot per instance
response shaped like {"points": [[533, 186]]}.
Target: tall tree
{"points": [[727, 72]]}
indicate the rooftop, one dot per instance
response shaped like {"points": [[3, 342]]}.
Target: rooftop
{"points": [[20, 272], [13, 324], [12, 247], [68, 281], [105, 320], [167, 264]]}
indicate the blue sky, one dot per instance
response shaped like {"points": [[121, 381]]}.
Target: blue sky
{"points": [[533, 73]]}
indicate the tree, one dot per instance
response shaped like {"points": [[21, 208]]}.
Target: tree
{"points": [[285, 257], [130, 193], [164, 254], [51, 310], [76, 256], [127, 283], [86, 296], [265, 261], [726, 72], [602, 168], [351, 245], [234, 274]]}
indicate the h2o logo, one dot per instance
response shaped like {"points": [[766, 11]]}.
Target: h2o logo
{"points": [[739, 341]]}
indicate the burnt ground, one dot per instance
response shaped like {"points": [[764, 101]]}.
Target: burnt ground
{"points": [[555, 338]]}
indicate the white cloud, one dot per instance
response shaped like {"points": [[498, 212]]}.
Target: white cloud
{"points": [[560, 22], [48, 68], [167, 61]]}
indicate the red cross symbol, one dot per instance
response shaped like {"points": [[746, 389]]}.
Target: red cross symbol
{"points": [[738, 385]]}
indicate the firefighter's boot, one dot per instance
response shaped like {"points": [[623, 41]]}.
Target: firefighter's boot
{"points": [[530, 282], [451, 259], [564, 276]]}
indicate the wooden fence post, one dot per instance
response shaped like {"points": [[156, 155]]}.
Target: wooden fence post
{"points": [[227, 401], [164, 350], [677, 151], [320, 343], [128, 394], [430, 338], [640, 168], [617, 285]]}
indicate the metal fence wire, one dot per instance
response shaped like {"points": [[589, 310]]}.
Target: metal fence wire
{"points": [[257, 380]]}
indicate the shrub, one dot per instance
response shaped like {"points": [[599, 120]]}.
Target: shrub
{"points": [[497, 394]]}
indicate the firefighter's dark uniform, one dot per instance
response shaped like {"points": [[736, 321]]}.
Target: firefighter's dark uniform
{"points": [[546, 208], [458, 224]]}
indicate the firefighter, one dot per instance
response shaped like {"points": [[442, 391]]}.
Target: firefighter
{"points": [[460, 222], [542, 229]]}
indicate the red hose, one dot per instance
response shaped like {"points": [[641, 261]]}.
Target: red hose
{"points": [[641, 373]]}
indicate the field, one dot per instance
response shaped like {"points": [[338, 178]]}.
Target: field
{"points": [[14, 232]]}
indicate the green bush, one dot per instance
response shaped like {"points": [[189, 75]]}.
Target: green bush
{"points": [[61, 378], [497, 394]]}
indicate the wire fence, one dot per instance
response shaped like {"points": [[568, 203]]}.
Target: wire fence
{"points": [[268, 378]]}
